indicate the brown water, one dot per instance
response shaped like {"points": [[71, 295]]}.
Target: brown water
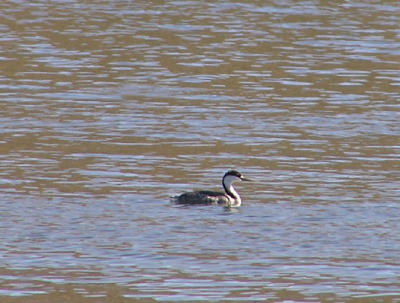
{"points": [[108, 108]]}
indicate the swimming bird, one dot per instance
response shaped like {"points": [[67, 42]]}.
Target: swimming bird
{"points": [[230, 198]]}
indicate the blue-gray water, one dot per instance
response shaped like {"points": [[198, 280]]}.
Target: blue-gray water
{"points": [[108, 109]]}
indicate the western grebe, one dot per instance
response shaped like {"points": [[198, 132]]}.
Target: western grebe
{"points": [[229, 198]]}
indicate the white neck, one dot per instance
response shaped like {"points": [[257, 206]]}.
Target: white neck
{"points": [[231, 192]]}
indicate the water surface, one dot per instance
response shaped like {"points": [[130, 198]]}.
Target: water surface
{"points": [[108, 109]]}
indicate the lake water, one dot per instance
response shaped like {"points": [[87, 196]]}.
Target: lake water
{"points": [[108, 108]]}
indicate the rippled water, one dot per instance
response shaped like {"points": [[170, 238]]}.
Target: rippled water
{"points": [[109, 108]]}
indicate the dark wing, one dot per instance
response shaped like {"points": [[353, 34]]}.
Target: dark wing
{"points": [[199, 197], [210, 193]]}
